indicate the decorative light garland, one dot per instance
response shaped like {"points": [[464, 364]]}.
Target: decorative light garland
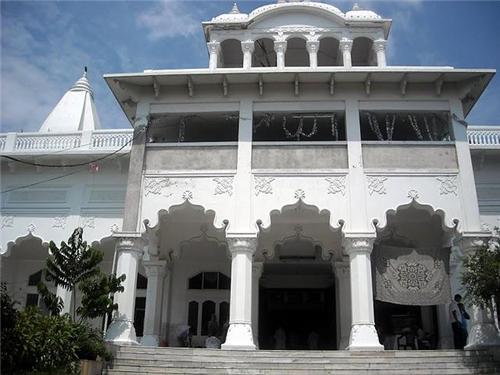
{"points": [[334, 126], [413, 123], [389, 126], [373, 122], [264, 121], [300, 129], [428, 131]]}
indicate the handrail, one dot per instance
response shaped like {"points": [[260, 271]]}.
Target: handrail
{"points": [[484, 136]]}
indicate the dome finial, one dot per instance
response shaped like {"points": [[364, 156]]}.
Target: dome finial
{"points": [[85, 71], [356, 7], [235, 9]]}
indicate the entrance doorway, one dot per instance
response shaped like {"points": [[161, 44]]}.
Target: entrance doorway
{"points": [[297, 307]]}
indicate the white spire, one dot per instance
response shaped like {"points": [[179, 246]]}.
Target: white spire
{"points": [[75, 111]]}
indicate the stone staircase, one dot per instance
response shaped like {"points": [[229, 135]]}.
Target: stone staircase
{"points": [[148, 360]]}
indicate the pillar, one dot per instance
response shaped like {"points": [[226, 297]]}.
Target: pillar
{"points": [[239, 335], [343, 304], [483, 333], [379, 47], [346, 46], [247, 47], [280, 49], [312, 47], [155, 272], [213, 50], [256, 274], [363, 333], [129, 250]]}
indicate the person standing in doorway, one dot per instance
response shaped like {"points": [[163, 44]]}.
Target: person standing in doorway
{"points": [[457, 325]]}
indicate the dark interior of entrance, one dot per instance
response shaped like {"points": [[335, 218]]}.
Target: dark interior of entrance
{"points": [[297, 312]]}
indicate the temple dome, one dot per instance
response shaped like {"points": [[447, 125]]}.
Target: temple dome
{"points": [[233, 16], [361, 14], [75, 111]]}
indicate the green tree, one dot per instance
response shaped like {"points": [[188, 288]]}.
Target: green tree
{"points": [[481, 276]]}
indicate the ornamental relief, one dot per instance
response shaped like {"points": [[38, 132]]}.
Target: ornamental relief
{"points": [[336, 184], [60, 222], [263, 185], [224, 185], [448, 185], [7, 222], [165, 186], [376, 185]]}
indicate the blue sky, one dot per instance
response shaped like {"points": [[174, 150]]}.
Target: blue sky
{"points": [[45, 45]]}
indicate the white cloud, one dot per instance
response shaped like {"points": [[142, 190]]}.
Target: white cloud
{"points": [[170, 19]]}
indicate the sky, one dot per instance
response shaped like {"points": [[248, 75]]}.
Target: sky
{"points": [[46, 44]]}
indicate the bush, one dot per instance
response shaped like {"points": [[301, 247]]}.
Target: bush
{"points": [[10, 343], [91, 344]]}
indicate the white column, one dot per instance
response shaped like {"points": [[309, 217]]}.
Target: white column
{"points": [[312, 47], [155, 272], [483, 332], [363, 333], [213, 49], [280, 49], [343, 304], [256, 274], [239, 335], [345, 46], [247, 47], [379, 47], [129, 250]]}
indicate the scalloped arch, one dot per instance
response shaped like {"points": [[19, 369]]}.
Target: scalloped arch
{"points": [[19, 240], [446, 225]]}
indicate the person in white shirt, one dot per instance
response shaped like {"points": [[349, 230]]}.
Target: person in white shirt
{"points": [[459, 331]]}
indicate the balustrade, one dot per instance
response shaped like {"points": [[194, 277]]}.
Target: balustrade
{"points": [[484, 137]]}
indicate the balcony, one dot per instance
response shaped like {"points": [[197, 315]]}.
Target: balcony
{"points": [[484, 137]]}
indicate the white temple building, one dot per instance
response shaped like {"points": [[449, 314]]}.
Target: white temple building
{"points": [[298, 184]]}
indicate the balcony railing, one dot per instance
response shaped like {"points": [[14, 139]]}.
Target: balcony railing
{"points": [[480, 137], [484, 136], [78, 142]]}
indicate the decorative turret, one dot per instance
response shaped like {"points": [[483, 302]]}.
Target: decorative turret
{"points": [[75, 111]]}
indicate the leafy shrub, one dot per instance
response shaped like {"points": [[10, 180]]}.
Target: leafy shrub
{"points": [[10, 343], [90, 344]]}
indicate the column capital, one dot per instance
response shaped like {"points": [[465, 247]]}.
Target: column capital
{"points": [[342, 268], [362, 243], [379, 45], [213, 47], [242, 244], [155, 267], [312, 46], [280, 46], [345, 44], [129, 242], [247, 46]]}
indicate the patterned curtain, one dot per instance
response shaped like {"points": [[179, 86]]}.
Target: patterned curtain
{"points": [[412, 276]]}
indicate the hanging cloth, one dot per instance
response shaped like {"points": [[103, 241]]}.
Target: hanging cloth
{"points": [[412, 276]]}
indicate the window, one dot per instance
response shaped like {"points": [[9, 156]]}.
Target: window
{"points": [[35, 278], [209, 280], [194, 127], [405, 126], [193, 317], [207, 310], [32, 299], [309, 126]]}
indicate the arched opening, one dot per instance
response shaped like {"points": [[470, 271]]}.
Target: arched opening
{"points": [[231, 55], [411, 266], [297, 301], [197, 288], [328, 52], [296, 53], [264, 54], [362, 52]]}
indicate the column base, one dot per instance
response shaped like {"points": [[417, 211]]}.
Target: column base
{"points": [[344, 343], [483, 335], [364, 337], [121, 332], [239, 337], [150, 340]]}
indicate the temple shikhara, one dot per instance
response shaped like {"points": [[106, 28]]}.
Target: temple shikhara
{"points": [[297, 193]]}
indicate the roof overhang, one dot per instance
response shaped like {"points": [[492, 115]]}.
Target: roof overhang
{"points": [[129, 88]]}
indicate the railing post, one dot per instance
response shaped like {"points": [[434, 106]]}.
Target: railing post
{"points": [[10, 142], [86, 140]]}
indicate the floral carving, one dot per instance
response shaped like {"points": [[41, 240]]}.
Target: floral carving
{"points": [[224, 185], [448, 185], [413, 194], [187, 195], [376, 185], [413, 276], [31, 228], [300, 194], [7, 222], [114, 228], [263, 185], [155, 186], [336, 184], [59, 222], [87, 222]]}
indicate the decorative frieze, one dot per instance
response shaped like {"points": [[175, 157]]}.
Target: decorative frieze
{"points": [[448, 185], [156, 186], [59, 222], [7, 222], [224, 185], [263, 185], [376, 185], [336, 184]]}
